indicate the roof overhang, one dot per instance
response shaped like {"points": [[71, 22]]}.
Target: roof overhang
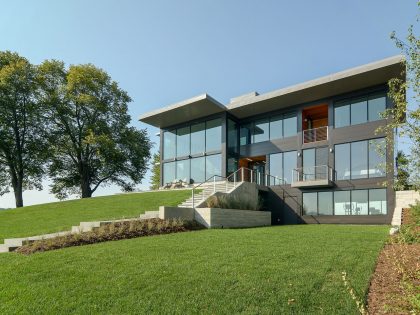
{"points": [[191, 109], [361, 77]]}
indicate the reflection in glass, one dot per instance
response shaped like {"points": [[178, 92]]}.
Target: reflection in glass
{"points": [[310, 202], [183, 141], [276, 127], [198, 169], [213, 135], [342, 116], [359, 202], [290, 163], [359, 111], [342, 161], [261, 130], [325, 203], [377, 158], [342, 204], [232, 136], [183, 170], [377, 201], [169, 141], [289, 126], [245, 134], [168, 172], [213, 165], [198, 138], [359, 163], [276, 168], [376, 106]]}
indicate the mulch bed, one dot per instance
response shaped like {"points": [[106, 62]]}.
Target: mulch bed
{"points": [[396, 278]]}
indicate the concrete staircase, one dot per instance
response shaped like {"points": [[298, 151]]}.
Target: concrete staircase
{"points": [[208, 189], [12, 244], [403, 199]]}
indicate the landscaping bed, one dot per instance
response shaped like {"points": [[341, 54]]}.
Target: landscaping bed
{"points": [[395, 285]]}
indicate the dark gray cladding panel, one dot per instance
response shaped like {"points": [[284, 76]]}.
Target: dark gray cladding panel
{"points": [[268, 147]]}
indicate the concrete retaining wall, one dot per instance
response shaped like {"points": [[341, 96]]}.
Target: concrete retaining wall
{"points": [[218, 218], [230, 218]]}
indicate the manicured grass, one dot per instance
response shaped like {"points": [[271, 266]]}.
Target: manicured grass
{"points": [[250, 271], [60, 216]]}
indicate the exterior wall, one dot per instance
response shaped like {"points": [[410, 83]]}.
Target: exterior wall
{"points": [[229, 218], [176, 213]]}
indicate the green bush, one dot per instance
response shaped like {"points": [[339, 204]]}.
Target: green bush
{"points": [[243, 202], [111, 232]]}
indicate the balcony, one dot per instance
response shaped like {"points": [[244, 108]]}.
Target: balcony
{"points": [[315, 176], [315, 134]]}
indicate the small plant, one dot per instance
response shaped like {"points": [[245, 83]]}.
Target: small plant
{"points": [[243, 202], [111, 232]]}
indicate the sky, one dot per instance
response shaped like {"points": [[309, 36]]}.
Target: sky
{"points": [[162, 52]]}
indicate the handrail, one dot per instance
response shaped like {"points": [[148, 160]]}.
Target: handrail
{"points": [[312, 173], [266, 179], [315, 134]]}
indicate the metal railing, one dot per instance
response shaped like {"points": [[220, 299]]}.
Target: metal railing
{"points": [[315, 134], [242, 174], [313, 173]]}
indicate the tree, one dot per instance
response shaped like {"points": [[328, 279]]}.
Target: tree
{"points": [[155, 179], [404, 91], [91, 141], [403, 174], [22, 143]]}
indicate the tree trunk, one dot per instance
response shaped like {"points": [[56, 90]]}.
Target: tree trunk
{"points": [[18, 195], [86, 190]]}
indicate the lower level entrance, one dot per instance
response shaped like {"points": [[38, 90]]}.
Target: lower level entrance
{"points": [[254, 169]]}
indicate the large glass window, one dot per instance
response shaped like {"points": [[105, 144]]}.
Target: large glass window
{"points": [[342, 205], [325, 203], [289, 164], [213, 165], [245, 134], [308, 164], [342, 115], [169, 144], [276, 168], [232, 136], [358, 111], [213, 135], [377, 158], [183, 170], [276, 127], [310, 202], [359, 157], [359, 202], [168, 172], [376, 106], [342, 161], [183, 141], [198, 138], [289, 125], [198, 170], [377, 201], [261, 130]]}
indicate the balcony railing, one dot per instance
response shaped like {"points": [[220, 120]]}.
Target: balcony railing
{"points": [[316, 134], [313, 176]]}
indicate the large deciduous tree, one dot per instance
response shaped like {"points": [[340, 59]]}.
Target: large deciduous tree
{"points": [[91, 140], [22, 142]]}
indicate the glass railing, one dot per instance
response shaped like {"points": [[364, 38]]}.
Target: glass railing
{"points": [[315, 134]]}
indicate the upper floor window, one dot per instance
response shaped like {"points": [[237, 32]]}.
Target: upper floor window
{"points": [[276, 127], [282, 165], [359, 110], [193, 140], [361, 159]]}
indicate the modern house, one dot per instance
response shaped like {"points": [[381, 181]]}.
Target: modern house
{"points": [[312, 146]]}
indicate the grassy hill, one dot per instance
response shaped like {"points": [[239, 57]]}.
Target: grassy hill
{"points": [[272, 270], [60, 216]]}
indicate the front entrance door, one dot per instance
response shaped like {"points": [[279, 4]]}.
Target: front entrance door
{"points": [[255, 169]]}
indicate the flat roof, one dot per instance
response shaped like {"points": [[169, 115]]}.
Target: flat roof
{"points": [[368, 75], [190, 109]]}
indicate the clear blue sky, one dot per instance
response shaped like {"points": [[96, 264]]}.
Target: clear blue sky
{"points": [[162, 52]]}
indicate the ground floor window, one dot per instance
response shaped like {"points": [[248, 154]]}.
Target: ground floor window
{"points": [[194, 170], [346, 202]]}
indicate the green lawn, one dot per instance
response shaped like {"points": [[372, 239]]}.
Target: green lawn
{"points": [[249, 271], [61, 216]]}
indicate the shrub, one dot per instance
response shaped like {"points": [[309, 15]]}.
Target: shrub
{"points": [[111, 232], [243, 202]]}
